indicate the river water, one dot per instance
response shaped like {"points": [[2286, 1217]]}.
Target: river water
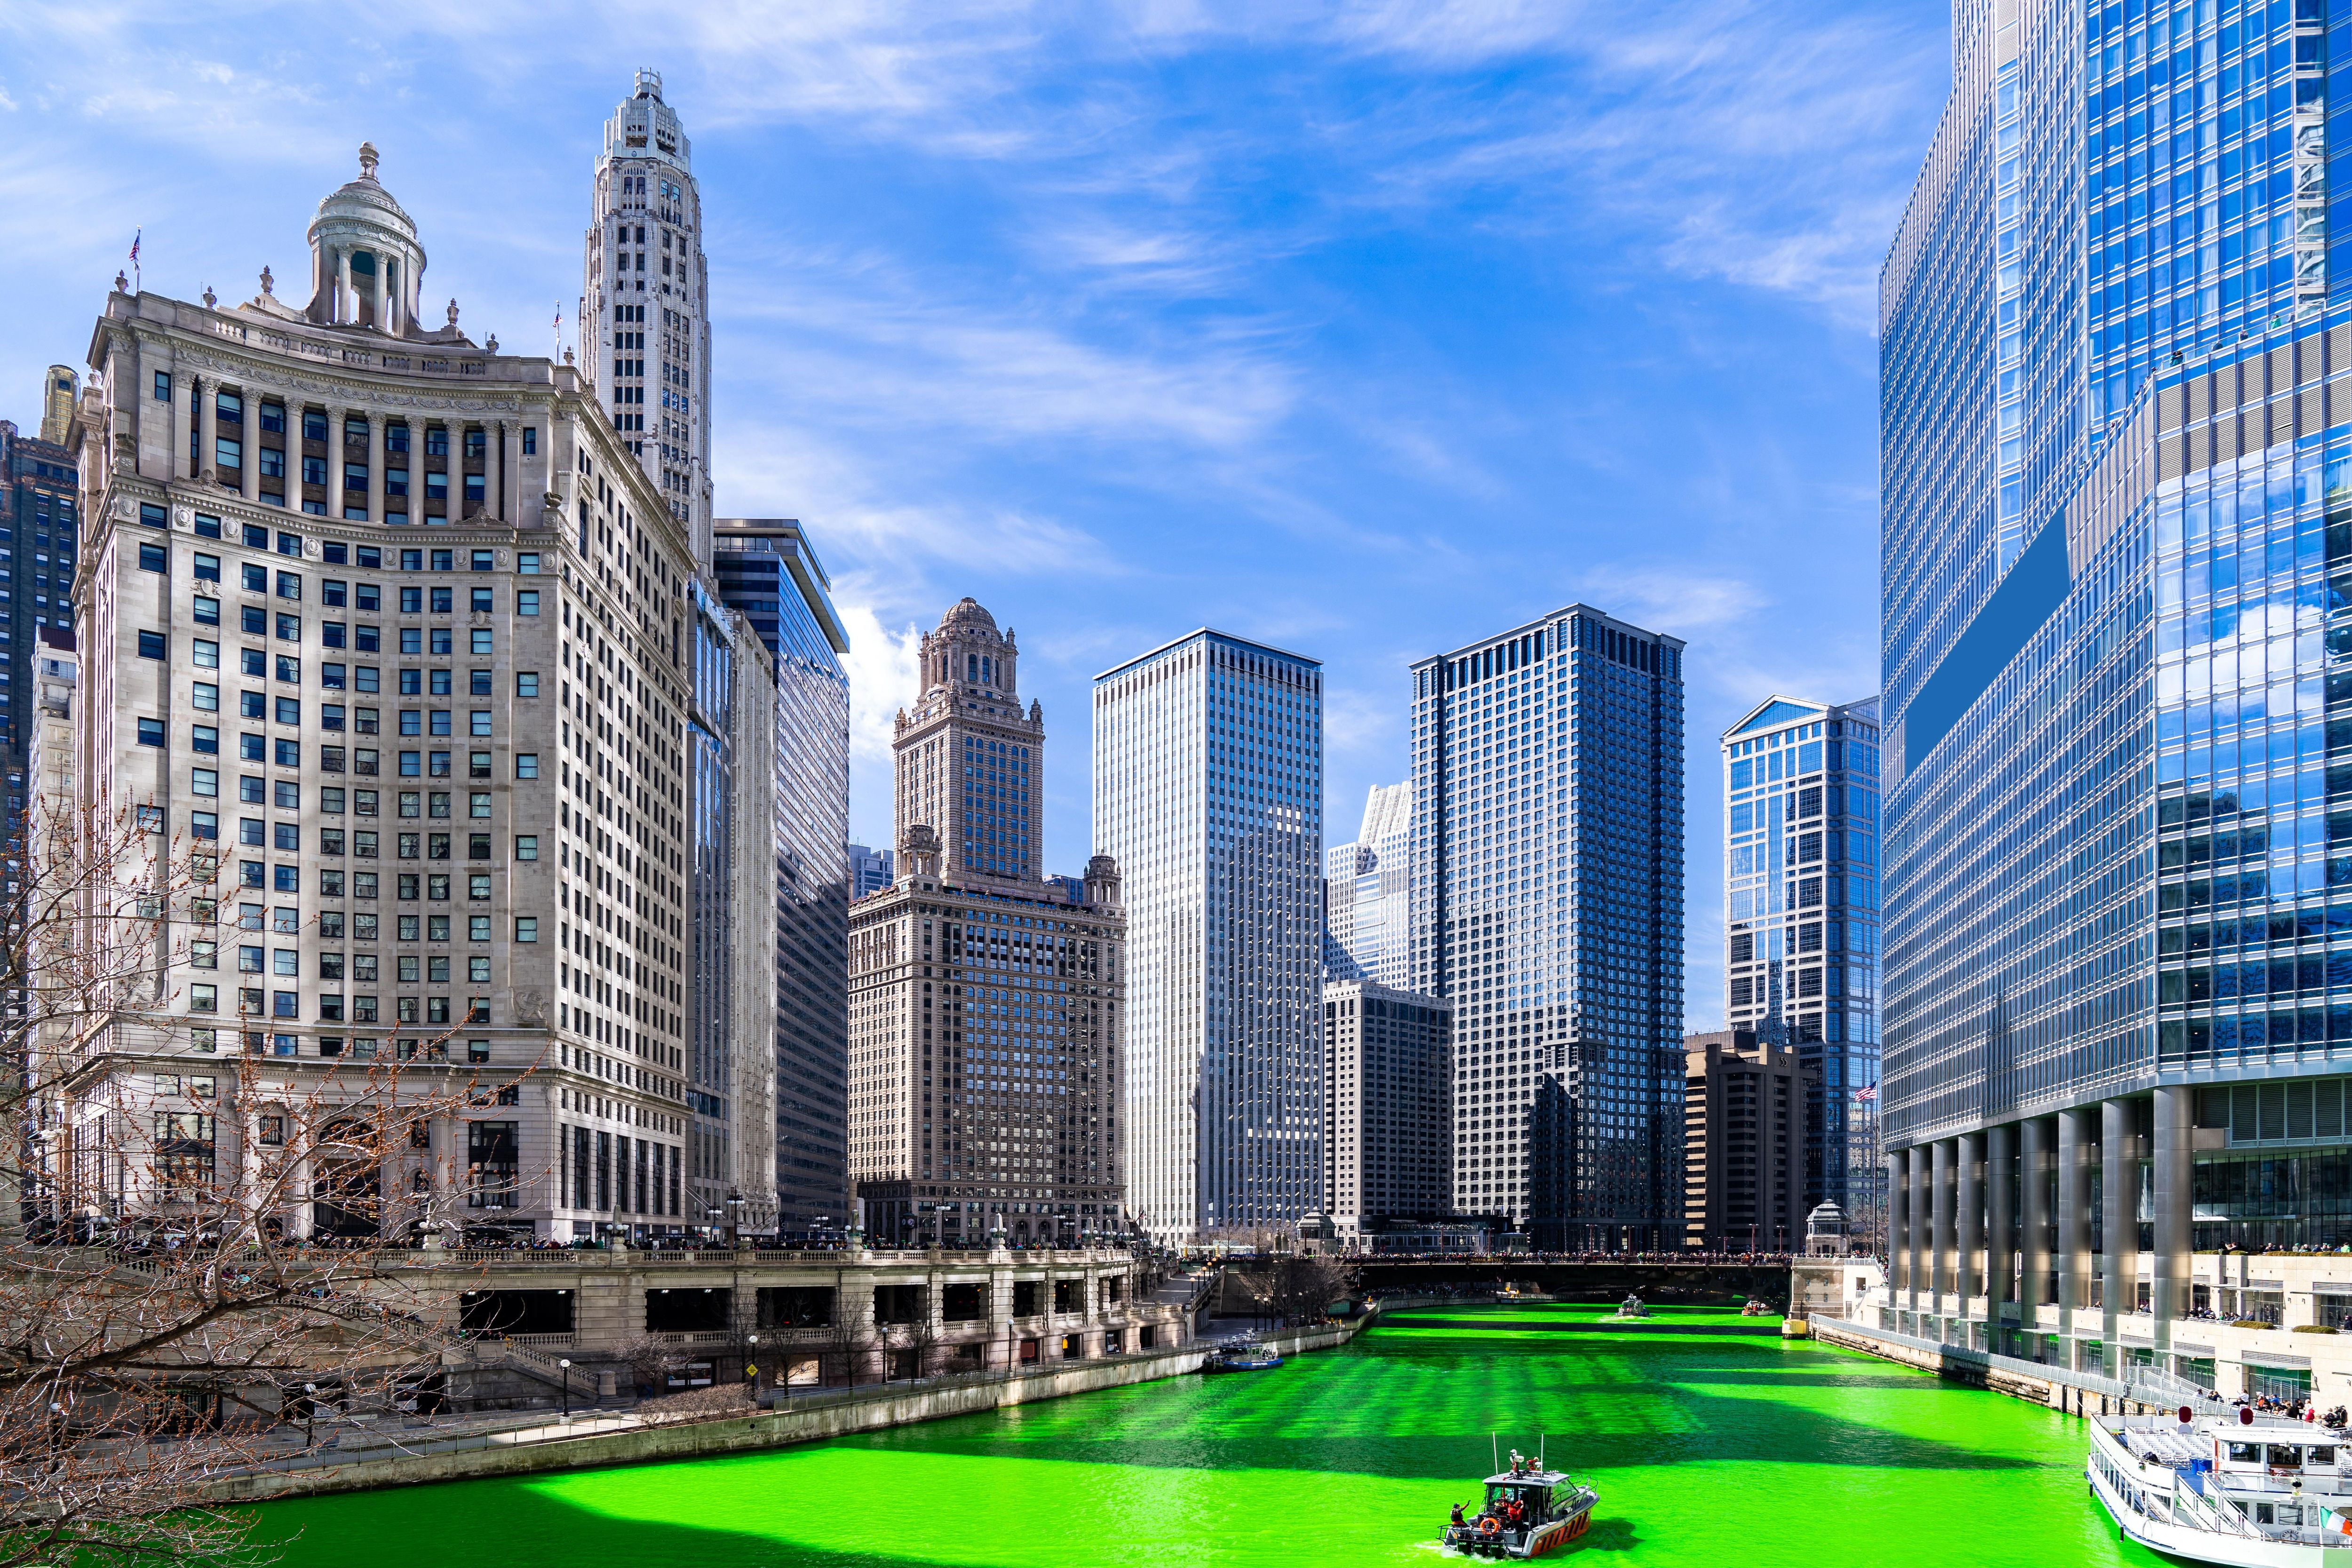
{"points": [[1712, 1442]]}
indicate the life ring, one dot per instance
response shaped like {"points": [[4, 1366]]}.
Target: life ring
{"points": [[1490, 1525]]}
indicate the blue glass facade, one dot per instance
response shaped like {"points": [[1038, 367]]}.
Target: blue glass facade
{"points": [[2116, 441]]}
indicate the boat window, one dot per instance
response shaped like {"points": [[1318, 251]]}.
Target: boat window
{"points": [[2321, 1455], [2285, 1455], [2246, 1453]]}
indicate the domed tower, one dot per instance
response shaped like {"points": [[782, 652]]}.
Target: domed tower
{"points": [[970, 762], [366, 265]]}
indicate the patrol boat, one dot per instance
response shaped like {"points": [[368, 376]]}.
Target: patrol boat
{"points": [[2232, 1487], [1528, 1510]]}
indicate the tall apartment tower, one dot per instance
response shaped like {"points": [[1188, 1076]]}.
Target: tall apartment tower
{"points": [[1800, 921], [40, 524], [768, 573], [380, 626], [1388, 1128], [1368, 894], [1744, 1111], [1548, 785], [645, 312], [985, 999], [2114, 450], [1208, 785]]}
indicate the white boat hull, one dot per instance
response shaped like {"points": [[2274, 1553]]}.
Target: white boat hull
{"points": [[2207, 1546]]}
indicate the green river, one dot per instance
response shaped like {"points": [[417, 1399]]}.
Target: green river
{"points": [[1711, 1440]]}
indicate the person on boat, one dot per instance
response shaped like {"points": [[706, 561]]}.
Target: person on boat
{"points": [[1458, 1520]]}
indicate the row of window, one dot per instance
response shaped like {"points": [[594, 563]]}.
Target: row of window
{"points": [[435, 885], [410, 969], [252, 1003]]}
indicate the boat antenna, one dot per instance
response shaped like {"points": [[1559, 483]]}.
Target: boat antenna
{"points": [[1495, 1447], [1541, 1438]]}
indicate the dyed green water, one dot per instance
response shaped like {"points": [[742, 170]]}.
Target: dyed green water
{"points": [[1711, 1440]]}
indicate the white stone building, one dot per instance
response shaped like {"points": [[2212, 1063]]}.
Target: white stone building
{"points": [[644, 315], [387, 629]]}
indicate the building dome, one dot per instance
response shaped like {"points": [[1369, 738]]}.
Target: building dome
{"points": [[366, 263], [965, 614]]}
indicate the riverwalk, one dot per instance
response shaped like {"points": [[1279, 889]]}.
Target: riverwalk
{"points": [[371, 1459]]}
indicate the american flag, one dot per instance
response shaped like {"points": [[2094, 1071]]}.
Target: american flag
{"points": [[134, 245], [1866, 1094]]}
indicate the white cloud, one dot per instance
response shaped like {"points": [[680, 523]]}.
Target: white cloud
{"points": [[883, 664]]}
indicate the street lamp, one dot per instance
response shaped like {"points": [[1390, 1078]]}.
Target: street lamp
{"points": [[734, 1217], [566, 1364], [751, 1367]]}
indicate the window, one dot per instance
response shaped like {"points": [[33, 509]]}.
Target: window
{"points": [[289, 583], [477, 804], [290, 628], [527, 683], [290, 669], [151, 645], [526, 846], [205, 697], [151, 731], [443, 600], [204, 738], [207, 568], [527, 602], [530, 440], [203, 825], [483, 560], [526, 765], [478, 885], [154, 558], [481, 639], [478, 683], [482, 602], [207, 655], [527, 563], [207, 611], [163, 386], [478, 764], [289, 712], [479, 722], [204, 781], [526, 928], [478, 844]]}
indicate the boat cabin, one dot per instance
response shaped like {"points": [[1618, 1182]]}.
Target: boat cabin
{"points": [[1531, 1487]]}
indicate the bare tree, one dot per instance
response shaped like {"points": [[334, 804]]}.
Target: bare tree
{"points": [[204, 1248]]}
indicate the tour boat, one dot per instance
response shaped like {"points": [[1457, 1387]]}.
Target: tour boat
{"points": [[2235, 1488], [1754, 1309], [1529, 1511], [1241, 1354], [1631, 1308]]}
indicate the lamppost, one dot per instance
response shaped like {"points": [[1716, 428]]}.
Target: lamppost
{"points": [[566, 1364], [752, 1366], [310, 1414], [734, 1217]]}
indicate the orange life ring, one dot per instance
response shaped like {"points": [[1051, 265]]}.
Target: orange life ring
{"points": [[1490, 1525]]}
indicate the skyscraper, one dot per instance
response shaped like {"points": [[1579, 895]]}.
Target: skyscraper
{"points": [[1546, 770], [645, 313], [1208, 779], [1368, 894], [324, 537], [767, 571], [870, 871], [2113, 465], [985, 999], [1388, 1129], [41, 517], [1800, 921]]}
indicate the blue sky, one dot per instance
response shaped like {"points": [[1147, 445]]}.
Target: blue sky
{"points": [[1364, 331]]}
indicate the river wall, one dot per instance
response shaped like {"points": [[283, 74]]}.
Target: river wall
{"points": [[799, 1421], [2077, 1392]]}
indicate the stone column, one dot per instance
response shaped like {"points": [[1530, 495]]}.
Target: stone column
{"points": [[207, 412], [381, 322], [2175, 1157], [249, 475], [2000, 1229], [1939, 1269], [2074, 1143], [494, 467], [334, 460], [345, 310], [1923, 1279], [1898, 1229], [1968, 1194], [2119, 1226], [2033, 1220], [376, 467]]}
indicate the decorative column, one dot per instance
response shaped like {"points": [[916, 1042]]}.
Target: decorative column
{"points": [[2074, 1144], [249, 472], [345, 309], [2119, 1224], [1941, 1269], [1969, 1184], [207, 412], [1898, 1229], [2000, 1228], [376, 467], [1922, 1278], [2175, 1157], [380, 322], [2033, 1220]]}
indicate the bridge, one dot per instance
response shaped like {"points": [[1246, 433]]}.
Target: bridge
{"points": [[1711, 1282]]}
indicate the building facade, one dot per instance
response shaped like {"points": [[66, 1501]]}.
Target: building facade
{"points": [[1208, 763], [645, 312], [385, 628], [1368, 894], [1800, 921], [1745, 1104], [986, 1017], [767, 571], [2115, 443], [1548, 788], [41, 519], [870, 871], [1388, 1128], [730, 1018]]}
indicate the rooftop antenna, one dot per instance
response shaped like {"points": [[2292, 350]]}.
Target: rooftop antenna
{"points": [[1541, 1439], [1495, 1447]]}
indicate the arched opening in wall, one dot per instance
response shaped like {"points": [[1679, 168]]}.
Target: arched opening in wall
{"points": [[347, 1195]]}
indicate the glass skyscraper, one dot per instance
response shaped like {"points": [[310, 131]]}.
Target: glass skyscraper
{"points": [[1801, 921], [1548, 909], [766, 570], [1208, 783], [1368, 894], [2117, 443]]}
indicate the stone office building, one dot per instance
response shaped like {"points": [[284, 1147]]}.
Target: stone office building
{"points": [[388, 627], [985, 1000]]}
